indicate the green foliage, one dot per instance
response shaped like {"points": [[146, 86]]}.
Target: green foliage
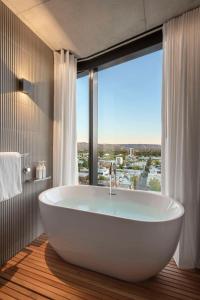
{"points": [[83, 164], [154, 185], [136, 168], [148, 152], [120, 167], [135, 180], [156, 163], [101, 177], [148, 164]]}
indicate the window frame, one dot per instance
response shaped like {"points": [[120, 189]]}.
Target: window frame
{"points": [[140, 46]]}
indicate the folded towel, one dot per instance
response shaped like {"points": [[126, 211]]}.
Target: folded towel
{"points": [[10, 175]]}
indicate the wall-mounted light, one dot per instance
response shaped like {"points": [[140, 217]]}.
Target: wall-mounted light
{"points": [[25, 86]]}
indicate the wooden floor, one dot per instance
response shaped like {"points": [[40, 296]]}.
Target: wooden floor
{"points": [[38, 273]]}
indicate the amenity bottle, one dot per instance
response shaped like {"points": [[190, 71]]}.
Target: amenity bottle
{"points": [[39, 171], [44, 170]]}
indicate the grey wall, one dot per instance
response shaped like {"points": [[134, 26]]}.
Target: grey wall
{"points": [[25, 125]]}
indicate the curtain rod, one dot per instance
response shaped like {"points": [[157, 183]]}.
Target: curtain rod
{"points": [[70, 52], [146, 33]]}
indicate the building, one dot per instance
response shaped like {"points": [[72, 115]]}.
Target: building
{"points": [[103, 171], [132, 152], [119, 160]]}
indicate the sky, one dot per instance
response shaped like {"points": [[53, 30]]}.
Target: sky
{"points": [[129, 102]]}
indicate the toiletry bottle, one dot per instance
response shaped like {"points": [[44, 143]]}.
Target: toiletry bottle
{"points": [[44, 170], [39, 171]]}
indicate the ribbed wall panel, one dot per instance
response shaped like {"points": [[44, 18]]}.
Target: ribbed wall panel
{"points": [[25, 125]]}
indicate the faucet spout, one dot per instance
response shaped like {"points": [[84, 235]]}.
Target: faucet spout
{"points": [[112, 171]]}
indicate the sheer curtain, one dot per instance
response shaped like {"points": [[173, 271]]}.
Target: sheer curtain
{"points": [[65, 169], [181, 128]]}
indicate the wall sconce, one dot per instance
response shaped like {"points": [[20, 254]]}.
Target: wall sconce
{"points": [[25, 86]]}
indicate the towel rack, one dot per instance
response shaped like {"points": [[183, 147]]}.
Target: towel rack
{"points": [[24, 155], [26, 169]]}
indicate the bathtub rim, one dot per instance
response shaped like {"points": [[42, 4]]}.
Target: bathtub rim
{"points": [[180, 214]]}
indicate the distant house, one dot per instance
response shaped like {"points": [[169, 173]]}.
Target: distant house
{"points": [[103, 171], [119, 160]]}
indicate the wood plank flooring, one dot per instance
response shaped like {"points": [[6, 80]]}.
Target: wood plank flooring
{"points": [[37, 272]]}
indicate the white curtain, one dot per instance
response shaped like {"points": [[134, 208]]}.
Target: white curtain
{"points": [[65, 169], [181, 128]]}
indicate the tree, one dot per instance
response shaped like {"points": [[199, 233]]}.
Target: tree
{"points": [[101, 177], [120, 167], [85, 164], [134, 180], [154, 185], [156, 163], [148, 164], [136, 168]]}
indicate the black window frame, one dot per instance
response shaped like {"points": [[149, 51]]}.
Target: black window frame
{"points": [[127, 50]]}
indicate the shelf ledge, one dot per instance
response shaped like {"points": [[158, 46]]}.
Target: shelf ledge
{"points": [[42, 179], [37, 180]]}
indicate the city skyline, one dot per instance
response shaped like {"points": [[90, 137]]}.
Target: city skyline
{"points": [[137, 118]]}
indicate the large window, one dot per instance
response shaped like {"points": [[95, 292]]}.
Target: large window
{"points": [[129, 124]]}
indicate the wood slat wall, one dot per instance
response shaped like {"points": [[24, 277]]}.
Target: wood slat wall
{"points": [[25, 125]]}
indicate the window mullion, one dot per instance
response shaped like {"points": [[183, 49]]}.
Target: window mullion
{"points": [[93, 126]]}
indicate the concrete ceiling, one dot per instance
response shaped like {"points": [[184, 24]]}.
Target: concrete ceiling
{"points": [[88, 26]]}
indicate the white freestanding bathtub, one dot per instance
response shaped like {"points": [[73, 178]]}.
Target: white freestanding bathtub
{"points": [[131, 235]]}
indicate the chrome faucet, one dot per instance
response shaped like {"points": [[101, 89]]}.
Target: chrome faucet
{"points": [[112, 171]]}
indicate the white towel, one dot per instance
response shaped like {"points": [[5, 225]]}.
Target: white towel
{"points": [[10, 175]]}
